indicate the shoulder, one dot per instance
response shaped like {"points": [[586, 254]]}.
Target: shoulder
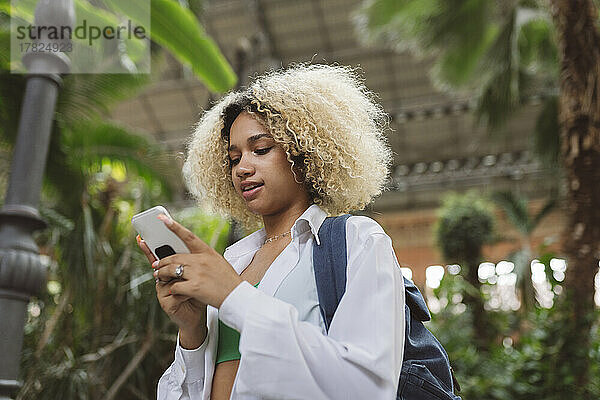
{"points": [[362, 232], [369, 248], [360, 229]]}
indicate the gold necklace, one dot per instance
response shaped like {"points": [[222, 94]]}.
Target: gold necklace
{"points": [[273, 238]]}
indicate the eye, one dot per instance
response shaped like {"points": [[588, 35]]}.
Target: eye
{"points": [[260, 152], [263, 151]]}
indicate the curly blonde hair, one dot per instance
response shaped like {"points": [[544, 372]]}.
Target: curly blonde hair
{"points": [[325, 119]]}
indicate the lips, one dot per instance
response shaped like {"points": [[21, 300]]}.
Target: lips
{"points": [[251, 191], [251, 186]]}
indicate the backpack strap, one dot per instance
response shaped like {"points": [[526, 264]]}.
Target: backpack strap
{"points": [[329, 261]]}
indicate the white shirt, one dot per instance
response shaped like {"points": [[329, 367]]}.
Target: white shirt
{"points": [[285, 351]]}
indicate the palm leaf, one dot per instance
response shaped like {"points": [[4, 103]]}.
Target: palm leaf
{"points": [[511, 62], [5, 6], [500, 95], [56, 219], [89, 96], [537, 45], [177, 29], [548, 207], [380, 13], [515, 208], [455, 69], [89, 243], [87, 56], [457, 31], [61, 181], [79, 150], [91, 141], [487, 48], [4, 50], [85, 10]]}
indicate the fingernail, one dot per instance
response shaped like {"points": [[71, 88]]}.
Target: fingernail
{"points": [[169, 291], [155, 264], [137, 239], [155, 274], [165, 219]]}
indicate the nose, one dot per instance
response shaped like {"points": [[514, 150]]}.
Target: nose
{"points": [[244, 169]]}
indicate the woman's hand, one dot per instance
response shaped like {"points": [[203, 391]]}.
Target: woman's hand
{"points": [[207, 277], [187, 313]]}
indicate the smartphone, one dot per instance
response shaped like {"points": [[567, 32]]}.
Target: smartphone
{"points": [[160, 239]]}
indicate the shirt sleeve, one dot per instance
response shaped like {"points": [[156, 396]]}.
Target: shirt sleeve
{"points": [[360, 358], [184, 379]]}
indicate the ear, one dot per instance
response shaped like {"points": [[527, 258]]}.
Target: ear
{"points": [[298, 167]]}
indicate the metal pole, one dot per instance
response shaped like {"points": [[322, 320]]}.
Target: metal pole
{"points": [[22, 274]]}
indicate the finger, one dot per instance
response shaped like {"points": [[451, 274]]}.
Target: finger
{"points": [[193, 242], [169, 272], [145, 249], [174, 259], [180, 288], [163, 289], [172, 303]]}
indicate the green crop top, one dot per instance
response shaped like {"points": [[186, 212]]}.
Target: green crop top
{"points": [[229, 342]]}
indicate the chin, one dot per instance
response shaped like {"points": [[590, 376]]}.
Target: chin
{"points": [[261, 209], [255, 211], [255, 206]]}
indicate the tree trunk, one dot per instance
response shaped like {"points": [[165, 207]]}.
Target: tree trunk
{"points": [[579, 118]]}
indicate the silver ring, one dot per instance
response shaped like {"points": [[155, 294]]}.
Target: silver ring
{"points": [[179, 271]]}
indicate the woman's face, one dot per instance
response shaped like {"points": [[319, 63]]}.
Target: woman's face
{"points": [[260, 171]]}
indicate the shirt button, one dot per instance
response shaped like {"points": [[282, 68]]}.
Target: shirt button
{"points": [[182, 369]]}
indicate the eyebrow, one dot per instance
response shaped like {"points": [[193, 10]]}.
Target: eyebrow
{"points": [[251, 139]]}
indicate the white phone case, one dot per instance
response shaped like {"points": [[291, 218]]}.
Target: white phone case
{"points": [[160, 239]]}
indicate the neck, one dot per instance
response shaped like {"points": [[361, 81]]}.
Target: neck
{"points": [[276, 224]]}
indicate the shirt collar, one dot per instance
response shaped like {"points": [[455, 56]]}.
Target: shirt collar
{"points": [[311, 219], [314, 217]]}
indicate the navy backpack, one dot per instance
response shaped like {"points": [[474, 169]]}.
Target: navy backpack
{"points": [[426, 372]]}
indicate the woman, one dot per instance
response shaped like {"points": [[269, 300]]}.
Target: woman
{"points": [[296, 146]]}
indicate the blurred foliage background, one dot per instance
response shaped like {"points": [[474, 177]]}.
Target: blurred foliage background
{"points": [[502, 53], [98, 332], [503, 345], [519, 362]]}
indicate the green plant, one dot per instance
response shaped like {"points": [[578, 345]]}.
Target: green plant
{"points": [[516, 368], [516, 210], [502, 53], [173, 26], [98, 332], [465, 223]]}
